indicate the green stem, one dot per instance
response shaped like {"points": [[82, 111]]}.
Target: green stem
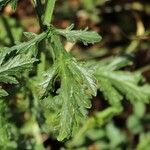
{"points": [[41, 66], [39, 9], [49, 11], [8, 30]]}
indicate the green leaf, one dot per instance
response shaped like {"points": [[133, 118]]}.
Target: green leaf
{"points": [[134, 124], [109, 91], [87, 37], [75, 93], [14, 4], [3, 93], [12, 68], [139, 109], [29, 47], [5, 2], [144, 142], [8, 79], [72, 99], [4, 137], [115, 136], [16, 65], [7, 142], [115, 84], [29, 35], [111, 63], [47, 81], [83, 73]]}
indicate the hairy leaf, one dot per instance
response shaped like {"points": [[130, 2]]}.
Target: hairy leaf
{"points": [[115, 84], [87, 37], [13, 67], [77, 86], [47, 81], [25, 47], [110, 63], [109, 92], [16, 65], [72, 99]]}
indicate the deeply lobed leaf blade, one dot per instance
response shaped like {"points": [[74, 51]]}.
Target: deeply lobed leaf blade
{"points": [[87, 37]]}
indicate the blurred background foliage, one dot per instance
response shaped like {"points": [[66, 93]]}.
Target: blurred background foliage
{"points": [[125, 27]]}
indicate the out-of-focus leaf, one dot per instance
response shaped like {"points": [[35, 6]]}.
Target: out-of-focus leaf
{"points": [[115, 84], [10, 31], [134, 124], [144, 143], [3, 93], [5, 2], [115, 136]]}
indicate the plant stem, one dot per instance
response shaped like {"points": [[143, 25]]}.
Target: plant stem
{"points": [[39, 9], [8, 30], [49, 11]]}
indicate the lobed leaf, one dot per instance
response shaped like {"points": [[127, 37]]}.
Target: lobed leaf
{"points": [[12, 68], [72, 99], [29, 47], [110, 63], [47, 81], [87, 37], [115, 84], [77, 87]]}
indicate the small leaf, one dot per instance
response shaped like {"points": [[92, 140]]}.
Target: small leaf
{"points": [[8, 79], [47, 81], [144, 141], [110, 63], [25, 47], [3, 93], [14, 4], [109, 92], [16, 65], [3, 3], [87, 37], [29, 35]]}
